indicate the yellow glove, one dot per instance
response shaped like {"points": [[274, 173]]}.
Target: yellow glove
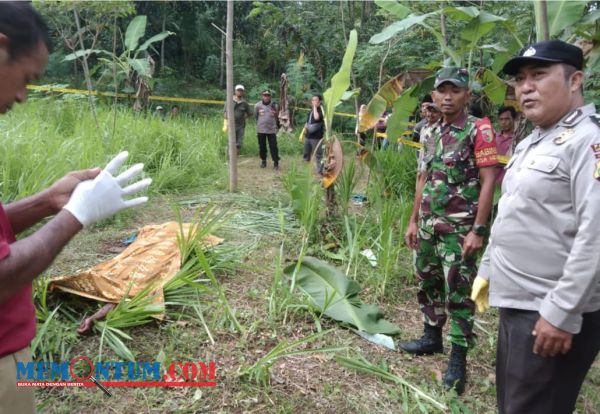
{"points": [[301, 137], [225, 125], [479, 294]]}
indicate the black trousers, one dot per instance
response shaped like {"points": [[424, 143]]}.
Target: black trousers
{"points": [[262, 146], [531, 384], [311, 146]]}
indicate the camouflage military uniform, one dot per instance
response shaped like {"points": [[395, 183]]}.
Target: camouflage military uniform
{"points": [[452, 157]]}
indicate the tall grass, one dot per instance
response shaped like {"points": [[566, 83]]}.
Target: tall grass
{"points": [[46, 138]]}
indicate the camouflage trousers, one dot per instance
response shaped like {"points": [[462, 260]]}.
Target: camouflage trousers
{"points": [[445, 280]]}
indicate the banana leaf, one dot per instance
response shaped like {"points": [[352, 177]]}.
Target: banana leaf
{"points": [[337, 297], [404, 106], [334, 160], [135, 31], [339, 82], [561, 14], [399, 27], [495, 88], [384, 98], [398, 10]]}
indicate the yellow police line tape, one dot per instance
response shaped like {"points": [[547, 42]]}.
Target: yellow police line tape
{"points": [[152, 97], [122, 95], [502, 159]]}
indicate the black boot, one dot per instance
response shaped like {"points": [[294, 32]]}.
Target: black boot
{"points": [[263, 164], [456, 375], [429, 343]]}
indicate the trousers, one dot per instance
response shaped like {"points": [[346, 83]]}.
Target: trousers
{"points": [[529, 383], [445, 280], [262, 146]]}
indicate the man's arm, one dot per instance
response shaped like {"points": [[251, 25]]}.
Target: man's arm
{"points": [[30, 256], [25, 213], [85, 202], [410, 237], [487, 176]]}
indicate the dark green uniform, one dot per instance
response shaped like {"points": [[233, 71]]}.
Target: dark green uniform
{"points": [[452, 157]]}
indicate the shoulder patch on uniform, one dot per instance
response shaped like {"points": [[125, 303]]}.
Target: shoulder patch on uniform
{"points": [[484, 125], [572, 117], [596, 119], [596, 150]]}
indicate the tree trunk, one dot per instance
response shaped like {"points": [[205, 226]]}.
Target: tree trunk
{"points": [[222, 62], [230, 116], [443, 29], [162, 44], [544, 15], [86, 70]]}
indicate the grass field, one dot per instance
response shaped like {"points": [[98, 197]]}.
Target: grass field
{"points": [[266, 227]]}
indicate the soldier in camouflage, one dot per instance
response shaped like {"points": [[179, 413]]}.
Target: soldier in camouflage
{"points": [[452, 204]]}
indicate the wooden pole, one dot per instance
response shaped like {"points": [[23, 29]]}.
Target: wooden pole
{"points": [[544, 15], [230, 116]]}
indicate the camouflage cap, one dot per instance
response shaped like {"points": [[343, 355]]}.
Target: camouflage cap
{"points": [[457, 76]]}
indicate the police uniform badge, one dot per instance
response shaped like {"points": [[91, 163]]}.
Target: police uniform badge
{"points": [[596, 150], [564, 136]]}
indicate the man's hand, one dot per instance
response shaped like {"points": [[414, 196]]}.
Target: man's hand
{"points": [[410, 237], [60, 192], [102, 197], [471, 244], [480, 294], [549, 340]]}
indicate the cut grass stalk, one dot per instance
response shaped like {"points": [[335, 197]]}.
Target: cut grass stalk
{"points": [[259, 372], [362, 365]]}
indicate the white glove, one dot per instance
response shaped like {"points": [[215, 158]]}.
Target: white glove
{"points": [[102, 197]]}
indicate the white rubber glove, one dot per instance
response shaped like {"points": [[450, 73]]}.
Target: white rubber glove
{"points": [[102, 197]]}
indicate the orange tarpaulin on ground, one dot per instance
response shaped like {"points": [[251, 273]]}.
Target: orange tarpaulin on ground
{"points": [[153, 258]]}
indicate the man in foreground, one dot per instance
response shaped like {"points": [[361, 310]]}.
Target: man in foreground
{"points": [[542, 261], [453, 200], [75, 201]]}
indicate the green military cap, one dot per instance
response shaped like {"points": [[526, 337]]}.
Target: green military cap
{"points": [[457, 76]]}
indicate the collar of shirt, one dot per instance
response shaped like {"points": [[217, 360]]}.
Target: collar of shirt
{"points": [[504, 136], [458, 123], [571, 119]]}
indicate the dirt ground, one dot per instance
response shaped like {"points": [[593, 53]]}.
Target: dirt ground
{"points": [[303, 383]]}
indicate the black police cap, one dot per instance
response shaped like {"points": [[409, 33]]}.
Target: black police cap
{"points": [[550, 51]]}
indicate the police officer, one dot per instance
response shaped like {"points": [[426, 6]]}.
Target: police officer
{"points": [[543, 258], [448, 222]]}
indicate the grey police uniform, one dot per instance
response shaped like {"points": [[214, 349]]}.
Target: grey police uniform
{"points": [[544, 252], [544, 256]]}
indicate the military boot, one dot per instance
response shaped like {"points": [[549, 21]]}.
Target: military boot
{"points": [[429, 343], [456, 375]]}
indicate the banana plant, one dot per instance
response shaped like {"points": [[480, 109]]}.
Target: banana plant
{"points": [[476, 24], [133, 61], [340, 82], [570, 21]]}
